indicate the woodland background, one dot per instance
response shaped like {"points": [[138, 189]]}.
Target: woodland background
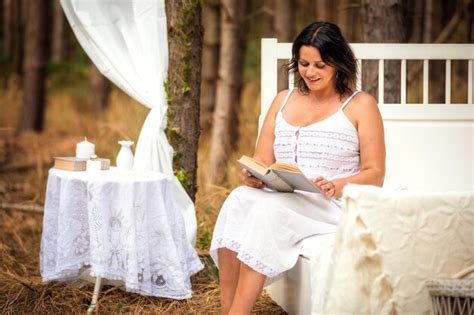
{"points": [[51, 96]]}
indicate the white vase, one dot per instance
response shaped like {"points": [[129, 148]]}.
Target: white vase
{"points": [[125, 156]]}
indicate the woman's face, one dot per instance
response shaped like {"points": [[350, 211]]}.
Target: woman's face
{"points": [[316, 74]]}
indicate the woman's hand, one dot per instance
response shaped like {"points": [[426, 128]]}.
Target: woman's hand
{"points": [[327, 187], [250, 180]]}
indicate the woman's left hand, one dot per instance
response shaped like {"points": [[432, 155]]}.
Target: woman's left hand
{"points": [[327, 187]]}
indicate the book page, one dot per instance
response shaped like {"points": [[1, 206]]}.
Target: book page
{"points": [[296, 180], [273, 181], [251, 164], [268, 177], [285, 166]]}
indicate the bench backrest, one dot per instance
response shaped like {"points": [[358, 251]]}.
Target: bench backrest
{"points": [[429, 146]]}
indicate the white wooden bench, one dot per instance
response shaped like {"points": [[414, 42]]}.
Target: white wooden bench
{"points": [[429, 146]]}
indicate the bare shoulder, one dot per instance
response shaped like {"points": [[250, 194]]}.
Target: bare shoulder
{"points": [[278, 100], [363, 104], [281, 96], [363, 108], [365, 100]]}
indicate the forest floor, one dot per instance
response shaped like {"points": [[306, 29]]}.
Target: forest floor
{"points": [[24, 163]]}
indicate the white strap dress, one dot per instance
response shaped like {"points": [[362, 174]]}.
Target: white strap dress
{"points": [[265, 228]]}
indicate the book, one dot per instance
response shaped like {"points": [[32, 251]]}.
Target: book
{"points": [[283, 177], [71, 163]]}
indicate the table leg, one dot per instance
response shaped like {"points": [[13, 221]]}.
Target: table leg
{"points": [[95, 295]]}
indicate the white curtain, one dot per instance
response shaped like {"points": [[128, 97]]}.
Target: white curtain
{"points": [[127, 41]]}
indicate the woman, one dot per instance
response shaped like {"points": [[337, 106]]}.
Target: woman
{"points": [[333, 133]]}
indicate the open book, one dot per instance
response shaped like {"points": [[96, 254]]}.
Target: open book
{"points": [[282, 177]]}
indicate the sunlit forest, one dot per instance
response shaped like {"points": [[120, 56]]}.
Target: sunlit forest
{"points": [[52, 96]]}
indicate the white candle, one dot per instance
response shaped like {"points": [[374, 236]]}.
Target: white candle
{"points": [[85, 149]]}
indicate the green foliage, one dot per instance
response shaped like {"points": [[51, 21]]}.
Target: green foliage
{"points": [[204, 243], [167, 86], [205, 235], [182, 177], [252, 60], [185, 40], [67, 75]]}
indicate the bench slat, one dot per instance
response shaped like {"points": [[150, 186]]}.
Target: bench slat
{"points": [[396, 51], [403, 82], [426, 80], [470, 84], [381, 97], [448, 82]]}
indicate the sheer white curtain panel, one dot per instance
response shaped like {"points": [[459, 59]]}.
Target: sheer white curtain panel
{"points": [[128, 43]]}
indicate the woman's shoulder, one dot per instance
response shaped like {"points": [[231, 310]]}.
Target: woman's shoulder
{"points": [[363, 101], [364, 97], [363, 105], [279, 99], [282, 95]]}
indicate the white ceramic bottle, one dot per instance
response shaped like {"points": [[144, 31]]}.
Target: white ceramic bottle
{"points": [[125, 156]]}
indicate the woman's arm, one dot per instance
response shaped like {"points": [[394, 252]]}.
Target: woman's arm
{"points": [[365, 115], [264, 149]]}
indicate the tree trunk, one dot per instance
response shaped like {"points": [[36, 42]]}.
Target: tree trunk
{"points": [[59, 34], [7, 27], [436, 67], [284, 22], [428, 21], [99, 90], [182, 88], [13, 34], [470, 22], [343, 18], [324, 10], [36, 50], [417, 24], [383, 23], [268, 26], [225, 126], [349, 19], [210, 60]]}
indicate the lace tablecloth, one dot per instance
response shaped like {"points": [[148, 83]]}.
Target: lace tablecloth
{"points": [[121, 224]]}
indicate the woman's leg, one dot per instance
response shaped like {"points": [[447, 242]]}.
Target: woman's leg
{"points": [[229, 268], [248, 290]]}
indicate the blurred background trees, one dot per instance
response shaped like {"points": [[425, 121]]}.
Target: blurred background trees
{"points": [[51, 96], [39, 56]]}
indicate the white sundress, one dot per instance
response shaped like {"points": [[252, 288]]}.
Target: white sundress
{"points": [[265, 228]]}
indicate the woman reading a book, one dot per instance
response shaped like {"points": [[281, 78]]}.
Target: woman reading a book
{"points": [[333, 134]]}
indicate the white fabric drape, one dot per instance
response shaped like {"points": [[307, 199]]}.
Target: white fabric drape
{"points": [[128, 42]]}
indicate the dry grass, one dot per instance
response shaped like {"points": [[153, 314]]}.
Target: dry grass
{"points": [[24, 161]]}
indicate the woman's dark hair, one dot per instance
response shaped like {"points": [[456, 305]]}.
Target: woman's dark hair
{"points": [[334, 50]]}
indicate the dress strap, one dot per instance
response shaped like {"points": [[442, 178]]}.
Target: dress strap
{"points": [[348, 99], [286, 99]]}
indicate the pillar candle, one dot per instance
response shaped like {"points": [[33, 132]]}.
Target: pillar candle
{"points": [[85, 149]]}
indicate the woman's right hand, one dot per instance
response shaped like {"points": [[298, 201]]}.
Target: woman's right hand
{"points": [[250, 180]]}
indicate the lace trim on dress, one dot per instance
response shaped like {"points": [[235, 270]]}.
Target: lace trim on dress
{"points": [[245, 257], [328, 169], [330, 135], [332, 146], [327, 156]]}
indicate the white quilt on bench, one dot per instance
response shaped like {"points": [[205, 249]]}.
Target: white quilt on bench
{"points": [[424, 235]]}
